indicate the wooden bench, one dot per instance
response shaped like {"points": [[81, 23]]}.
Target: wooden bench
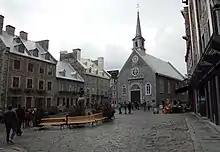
{"points": [[99, 117], [53, 122], [77, 120]]}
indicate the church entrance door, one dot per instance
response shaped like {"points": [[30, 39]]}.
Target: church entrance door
{"points": [[135, 96]]}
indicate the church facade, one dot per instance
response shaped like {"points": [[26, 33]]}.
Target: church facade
{"points": [[146, 78]]}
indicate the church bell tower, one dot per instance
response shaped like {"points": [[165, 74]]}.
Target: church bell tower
{"points": [[138, 41]]}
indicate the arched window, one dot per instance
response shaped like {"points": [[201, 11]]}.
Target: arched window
{"points": [[123, 90], [148, 89]]}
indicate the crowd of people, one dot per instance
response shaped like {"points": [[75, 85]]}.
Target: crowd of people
{"points": [[16, 119]]}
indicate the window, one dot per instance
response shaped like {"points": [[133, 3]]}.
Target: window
{"points": [[29, 83], [114, 87], [90, 70], [61, 87], [50, 71], [135, 71], [16, 82], [49, 86], [148, 89], [114, 94], [169, 87], [17, 64], [21, 48], [124, 90], [71, 101], [30, 67], [136, 44], [64, 102], [47, 56], [41, 84], [35, 53], [41, 69], [58, 101], [161, 85]]}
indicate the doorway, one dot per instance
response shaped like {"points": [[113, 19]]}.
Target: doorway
{"points": [[135, 96]]}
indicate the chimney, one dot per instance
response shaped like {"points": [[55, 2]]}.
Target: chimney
{"points": [[101, 62], [63, 55], [44, 44], [10, 30], [1, 23], [77, 53], [23, 35]]}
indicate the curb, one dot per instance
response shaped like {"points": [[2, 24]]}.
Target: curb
{"points": [[196, 144]]}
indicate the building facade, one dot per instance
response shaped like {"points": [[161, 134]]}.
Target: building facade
{"points": [[146, 78], [29, 73], [69, 83], [96, 79], [204, 78], [113, 86]]}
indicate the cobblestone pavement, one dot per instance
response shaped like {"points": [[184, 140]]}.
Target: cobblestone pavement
{"points": [[138, 132], [205, 137]]}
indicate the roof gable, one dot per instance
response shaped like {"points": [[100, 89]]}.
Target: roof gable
{"points": [[70, 72], [13, 43], [161, 67]]}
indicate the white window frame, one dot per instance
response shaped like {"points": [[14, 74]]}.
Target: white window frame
{"points": [[168, 87], [38, 86], [148, 89], [124, 87], [114, 94], [27, 83], [161, 86], [12, 80]]}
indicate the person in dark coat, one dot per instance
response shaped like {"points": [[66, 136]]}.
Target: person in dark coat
{"points": [[11, 121], [145, 105], [21, 116], [129, 107], [125, 107]]}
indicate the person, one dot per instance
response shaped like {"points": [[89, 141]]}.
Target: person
{"points": [[129, 107], [21, 116], [148, 105], [11, 121], [27, 117], [125, 107], [145, 105], [119, 108]]}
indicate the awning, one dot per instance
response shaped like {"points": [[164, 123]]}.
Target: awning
{"points": [[183, 89]]}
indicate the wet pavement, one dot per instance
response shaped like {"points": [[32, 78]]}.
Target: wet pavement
{"points": [[138, 132]]}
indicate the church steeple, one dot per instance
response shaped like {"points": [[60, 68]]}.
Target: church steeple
{"points": [[138, 41]]}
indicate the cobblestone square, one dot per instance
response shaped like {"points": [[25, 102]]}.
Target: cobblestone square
{"points": [[138, 132]]}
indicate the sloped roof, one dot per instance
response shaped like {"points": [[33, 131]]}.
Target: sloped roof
{"points": [[161, 67], [70, 72], [9, 41], [93, 69]]}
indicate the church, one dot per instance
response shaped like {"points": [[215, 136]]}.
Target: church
{"points": [[144, 77]]}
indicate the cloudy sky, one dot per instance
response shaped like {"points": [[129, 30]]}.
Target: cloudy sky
{"points": [[101, 27]]}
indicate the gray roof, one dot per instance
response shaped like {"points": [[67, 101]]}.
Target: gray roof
{"points": [[160, 66], [9, 41], [70, 72], [93, 69]]}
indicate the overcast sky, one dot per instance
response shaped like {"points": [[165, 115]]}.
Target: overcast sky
{"points": [[101, 27]]}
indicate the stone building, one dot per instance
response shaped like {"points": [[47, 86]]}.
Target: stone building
{"points": [[92, 71], [28, 70], [145, 78], [203, 83], [69, 83], [112, 93]]}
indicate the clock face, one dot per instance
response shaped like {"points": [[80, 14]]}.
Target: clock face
{"points": [[135, 71], [135, 59]]}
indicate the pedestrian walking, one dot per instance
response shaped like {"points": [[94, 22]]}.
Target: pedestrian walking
{"points": [[125, 107], [119, 108], [129, 107], [145, 105], [11, 121], [21, 116], [148, 105]]}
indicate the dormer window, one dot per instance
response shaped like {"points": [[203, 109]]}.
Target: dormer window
{"points": [[136, 44], [103, 73], [47, 56], [85, 63], [97, 71], [63, 72], [21, 48], [90, 70], [17, 40], [35, 52]]}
